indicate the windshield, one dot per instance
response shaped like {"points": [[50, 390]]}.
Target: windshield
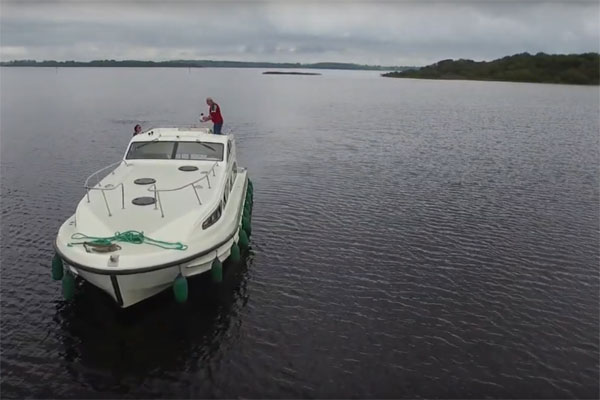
{"points": [[155, 150]]}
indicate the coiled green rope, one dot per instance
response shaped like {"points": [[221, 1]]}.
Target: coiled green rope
{"points": [[133, 237]]}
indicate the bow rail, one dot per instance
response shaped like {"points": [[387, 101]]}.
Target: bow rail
{"points": [[158, 203], [153, 188], [108, 187]]}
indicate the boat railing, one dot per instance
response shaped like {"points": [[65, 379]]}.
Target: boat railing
{"points": [[206, 175], [108, 187]]}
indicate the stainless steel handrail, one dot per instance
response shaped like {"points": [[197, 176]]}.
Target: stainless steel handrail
{"points": [[156, 191], [104, 189], [86, 185], [153, 188]]}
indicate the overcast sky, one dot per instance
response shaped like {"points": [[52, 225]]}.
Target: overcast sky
{"points": [[369, 32]]}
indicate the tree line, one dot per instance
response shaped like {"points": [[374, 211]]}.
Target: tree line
{"points": [[194, 64], [583, 69]]}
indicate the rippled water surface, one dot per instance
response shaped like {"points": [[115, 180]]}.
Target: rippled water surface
{"points": [[410, 239]]}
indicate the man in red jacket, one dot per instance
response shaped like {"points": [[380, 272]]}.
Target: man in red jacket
{"points": [[214, 115]]}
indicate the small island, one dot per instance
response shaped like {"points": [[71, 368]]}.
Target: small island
{"points": [[579, 69], [289, 73]]}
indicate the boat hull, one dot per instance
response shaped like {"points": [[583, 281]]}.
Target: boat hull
{"points": [[129, 289], [131, 284]]}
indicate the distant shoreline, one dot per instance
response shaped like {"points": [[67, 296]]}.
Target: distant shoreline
{"points": [[197, 64], [574, 69]]}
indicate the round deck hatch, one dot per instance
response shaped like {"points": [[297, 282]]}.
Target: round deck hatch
{"points": [[143, 201], [188, 168], [144, 181]]}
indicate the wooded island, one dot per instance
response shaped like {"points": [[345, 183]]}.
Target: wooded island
{"points": [[581, 69]]}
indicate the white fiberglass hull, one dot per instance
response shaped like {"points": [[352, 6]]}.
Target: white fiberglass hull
{"points": [[141, 270], [127, 290]]}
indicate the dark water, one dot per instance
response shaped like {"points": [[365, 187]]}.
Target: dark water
{"points": [[410, 239]]}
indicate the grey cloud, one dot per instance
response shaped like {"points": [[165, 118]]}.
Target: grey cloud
{"points": [[359, 31]]}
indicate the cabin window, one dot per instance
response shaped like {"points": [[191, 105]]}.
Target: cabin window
{"points": [[226, 192], [150, 150], [229, 144], [214, 217], [199, 151], [163, 150]]}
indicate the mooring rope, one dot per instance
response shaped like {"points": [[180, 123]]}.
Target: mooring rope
{"points": [[133, 237]]}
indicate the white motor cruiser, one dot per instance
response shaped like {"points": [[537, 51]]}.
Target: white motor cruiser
{"points": [[177, 205]]}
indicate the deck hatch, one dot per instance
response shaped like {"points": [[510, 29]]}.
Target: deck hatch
{"points": [[143, 201], [144, 181], [188, 168]]}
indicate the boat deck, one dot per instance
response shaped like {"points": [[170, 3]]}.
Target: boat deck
{"points": [[150, 197]]}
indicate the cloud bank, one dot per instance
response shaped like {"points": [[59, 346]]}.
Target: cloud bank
{"points": [[369, 32]]}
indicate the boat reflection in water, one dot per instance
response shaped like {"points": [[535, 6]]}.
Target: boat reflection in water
{"points": [[115, 351]]}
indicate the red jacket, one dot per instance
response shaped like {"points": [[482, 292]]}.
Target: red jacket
{"points": [[215, 114]]}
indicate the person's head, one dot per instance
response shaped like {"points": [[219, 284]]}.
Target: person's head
{"points": [[209, 101], [138, 128]]}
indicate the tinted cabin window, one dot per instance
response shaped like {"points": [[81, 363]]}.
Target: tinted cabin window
{"points": [[163, 150], [226, 192], [199, 151], [150, 150], [213, 218], [233, 173]]}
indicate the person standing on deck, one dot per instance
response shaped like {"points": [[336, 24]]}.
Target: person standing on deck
{"points": [[214, 115]]}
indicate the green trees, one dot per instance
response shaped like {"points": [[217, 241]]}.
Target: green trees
{"points": [[193, 64], [581, 69]]}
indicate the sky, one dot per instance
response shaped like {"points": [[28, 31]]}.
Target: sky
{"points": [[366, 32]]}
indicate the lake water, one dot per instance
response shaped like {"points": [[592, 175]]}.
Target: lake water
{"points": [[411, 238]]}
